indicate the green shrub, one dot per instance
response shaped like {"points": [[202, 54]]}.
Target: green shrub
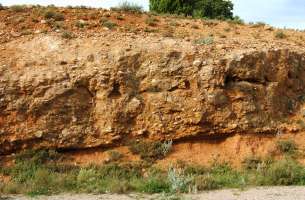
{"points": [[154, 185], [227, 177], [11, 188], [252, 163], [280, 35], [37, 156], [67, 35], [205, 41], [115, 156], [174, 23], [286, 146], [283, 172], [36, 173], [81, 24], [109, 24], [123, 171], [120, 17], [28, 162], [87, 180], [258, 24], [178, 181], [118, 186], [50, 14], [206, 182], [18, 8], [151, 151], [150, 30], [151, 21], [195, 170], [196, 8], [129, 7], [42, 182], [236, 20]]}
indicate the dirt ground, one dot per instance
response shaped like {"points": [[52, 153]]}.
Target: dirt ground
{"points": [[266, 193]]}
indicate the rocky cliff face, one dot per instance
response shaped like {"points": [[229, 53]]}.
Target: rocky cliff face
{"points": [[102, 90]]}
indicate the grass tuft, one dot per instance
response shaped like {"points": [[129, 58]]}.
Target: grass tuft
{"points": [[287, 146]]}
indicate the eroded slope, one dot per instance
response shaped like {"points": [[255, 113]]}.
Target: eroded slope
{"points": [[114, 87]]}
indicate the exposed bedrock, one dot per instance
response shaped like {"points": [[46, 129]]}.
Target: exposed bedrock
{"points": [[84, 94]]}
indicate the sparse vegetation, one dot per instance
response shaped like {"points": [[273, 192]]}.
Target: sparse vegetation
{"points": [[150, 30], [174, 23], [280, 35], [129, 7], [236, 20], [301, 123], [168, 33], [151, 21], [67, 35], [205, 41], [1, 7], [287, 146], [120, 17], [18, 8], [283, 172], [50, 14], [178, 181], [195, 26], [206, 182], [252, 163], [258, 24], [40, 173], [227, 29], [115, 156], [151, 151], [81, 24], [109, 24]]}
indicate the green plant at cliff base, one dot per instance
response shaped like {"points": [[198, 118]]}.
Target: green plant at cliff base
{"points": [[43, 173]]}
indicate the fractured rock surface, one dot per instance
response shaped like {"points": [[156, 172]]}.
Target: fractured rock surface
{"points": [[86, 92]]}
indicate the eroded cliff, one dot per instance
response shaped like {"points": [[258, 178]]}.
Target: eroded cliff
{"points": [[111, 87], [82, 93]]}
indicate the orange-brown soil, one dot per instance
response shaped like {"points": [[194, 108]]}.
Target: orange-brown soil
{"points": [[220, 90]]}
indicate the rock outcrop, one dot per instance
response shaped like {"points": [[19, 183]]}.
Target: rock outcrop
{"points": [[88, 92]]}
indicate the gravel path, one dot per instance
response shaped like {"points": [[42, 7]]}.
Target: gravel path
{"points": [[267, 193]]}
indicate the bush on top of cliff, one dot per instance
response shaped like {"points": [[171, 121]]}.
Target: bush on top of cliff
{"points": [[214, 9], [128, 7]]}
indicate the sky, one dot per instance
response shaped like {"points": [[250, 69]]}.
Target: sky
{"points": [[278, 13]]}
